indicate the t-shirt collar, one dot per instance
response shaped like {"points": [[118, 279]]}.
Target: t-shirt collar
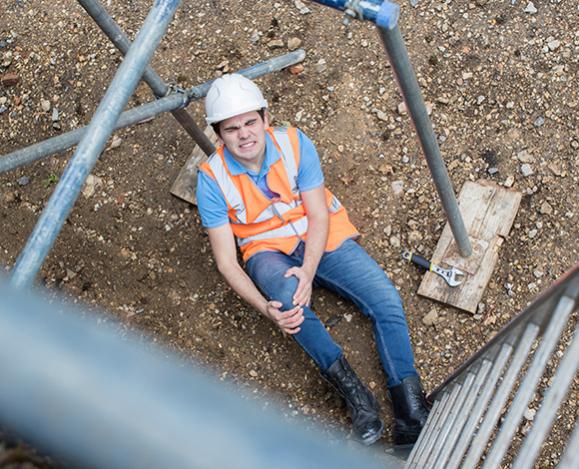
{"points": [[271, 156]]}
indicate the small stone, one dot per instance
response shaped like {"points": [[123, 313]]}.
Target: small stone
{"points": [[526, 170], [3, 109], [539, 121], [530, 8], [431, 318], [466, 75], [397, 188], [303, 9], [255, 37], [492, 171], [116, 142], [320, 66], [480, 99], [480, 308], [553, 44], [442, 100], [253, 373], [532, 233], [92, 182], [402, 108], [275, 44], [55, 116], [9, 197], [10, 79], [529, 414], [525, 157], [24, 181], [45, 105], [546, 209], [510, 105], [415, 236], [372, 385], [537, 273], [293, 43], [509, 181], [296, 69], [348, 317], [394, 241]]}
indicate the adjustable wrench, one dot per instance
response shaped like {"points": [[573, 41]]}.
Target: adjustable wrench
{"points": [[449, 275]]}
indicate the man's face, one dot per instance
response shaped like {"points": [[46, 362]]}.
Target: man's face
{"points": [[244, 137]]}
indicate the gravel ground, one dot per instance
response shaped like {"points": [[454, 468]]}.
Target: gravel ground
{"points": [[500, 80]]}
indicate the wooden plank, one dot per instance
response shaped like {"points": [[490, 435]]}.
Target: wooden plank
{"points": [[186, 183], [488, 211]]}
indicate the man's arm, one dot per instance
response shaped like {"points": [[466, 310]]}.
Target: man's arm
{"points": [[317, 236], [223, 247]]}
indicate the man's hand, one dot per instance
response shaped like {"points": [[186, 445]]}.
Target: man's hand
{"points": [[287, 321], [303, 293]]}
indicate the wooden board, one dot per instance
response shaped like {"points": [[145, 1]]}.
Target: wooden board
{"points": [[488, 211], [186, 183]]}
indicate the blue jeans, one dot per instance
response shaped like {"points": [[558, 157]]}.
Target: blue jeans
{"points": [[350, 272]]}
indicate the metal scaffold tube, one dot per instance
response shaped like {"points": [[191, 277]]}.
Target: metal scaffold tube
{"points": [[385, 15], [159, 87], [93, 142], [138, 114], [398, 55]]}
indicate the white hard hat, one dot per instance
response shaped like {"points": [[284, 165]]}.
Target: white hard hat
{"points": [[231, 95]]}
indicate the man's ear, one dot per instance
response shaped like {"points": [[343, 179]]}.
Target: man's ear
{"points": [[266, 119]]}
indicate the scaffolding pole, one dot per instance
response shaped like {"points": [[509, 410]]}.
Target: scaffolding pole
{"points": [[160, 88], [385, 15], [93, 142], [138, 114]]}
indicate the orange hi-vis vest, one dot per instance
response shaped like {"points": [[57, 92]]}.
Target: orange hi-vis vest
{"points": [[278, 224]]}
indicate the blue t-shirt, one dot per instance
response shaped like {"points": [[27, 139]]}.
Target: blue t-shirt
{"points": [[211, 203]]}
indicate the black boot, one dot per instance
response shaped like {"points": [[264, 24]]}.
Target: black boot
{"points": [[364, 409], [410, 410]]}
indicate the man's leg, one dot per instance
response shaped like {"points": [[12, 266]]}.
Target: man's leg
{"points": [[352, 273], [267, 270]]}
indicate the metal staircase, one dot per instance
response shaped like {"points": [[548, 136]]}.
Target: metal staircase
{"points": [[501, 379]]}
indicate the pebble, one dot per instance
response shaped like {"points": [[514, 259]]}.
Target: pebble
{"points": [[537, 273], [397, 188], [10, 79], [395, 241], [293, 43], [296, 69], [509, 181], [401, 108], [527, 170], [55, 116], [492, 171], [480, 99], [275, 44], [116, 142], [3, 109], [255, 37], [553, 44], [530, 8], [24, 181], [45, 105], [539, 121], [431, 318], [320, 66], [525, 157], [253, 373], [532, 233], [529, 414], [546, 209], [303, 9], [90, 185]]}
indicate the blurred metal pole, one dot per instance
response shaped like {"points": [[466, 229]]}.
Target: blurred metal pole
{"points": [[404, 73], [93, 143], [160, 88], [135, 115], [97, 398]]}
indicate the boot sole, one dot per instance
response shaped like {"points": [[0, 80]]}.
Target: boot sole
{"points": [[374, 438]]}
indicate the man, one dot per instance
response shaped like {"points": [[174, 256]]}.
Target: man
{"points": [[265, 188]]}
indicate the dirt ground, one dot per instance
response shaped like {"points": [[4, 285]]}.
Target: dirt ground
{"points": [[500, 78]]}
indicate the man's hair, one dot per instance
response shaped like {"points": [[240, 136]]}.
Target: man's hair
{"points": [[216, 125]]}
